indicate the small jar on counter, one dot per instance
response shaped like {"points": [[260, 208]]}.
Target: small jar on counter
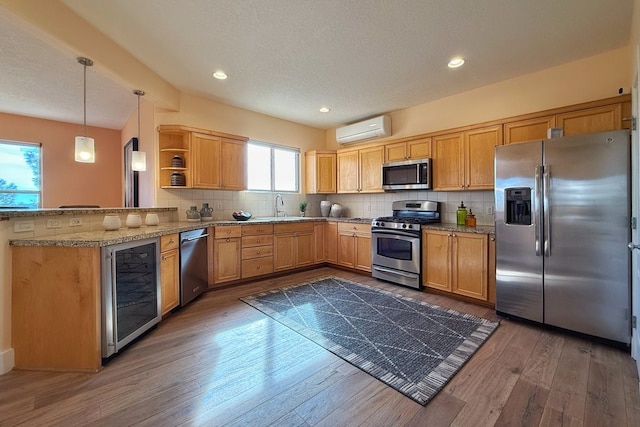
{"points": [[470, 219]]}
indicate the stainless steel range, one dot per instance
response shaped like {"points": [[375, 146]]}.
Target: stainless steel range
{"points": [[396, 241]]}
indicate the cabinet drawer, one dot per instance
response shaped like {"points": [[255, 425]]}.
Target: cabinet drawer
{"points": [[350, 227], [257, 252], [168, 242], [225, 231], [257, 229], [257, 267], [293, 227], [259, 240]]}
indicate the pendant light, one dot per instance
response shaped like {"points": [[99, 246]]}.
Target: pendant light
{"points": [[84, 151], [139, 158]]}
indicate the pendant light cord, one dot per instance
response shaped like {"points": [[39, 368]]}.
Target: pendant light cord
{"points": [[139, 93], [85, 100]]}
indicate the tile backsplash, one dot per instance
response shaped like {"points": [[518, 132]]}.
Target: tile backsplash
{"points": [[262, 204]]}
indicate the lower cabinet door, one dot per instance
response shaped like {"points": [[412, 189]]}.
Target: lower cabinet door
{"points": [[226, 263], [170, 279]]}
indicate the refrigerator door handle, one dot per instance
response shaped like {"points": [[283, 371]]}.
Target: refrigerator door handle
{"points": [[537, 190], [546, 225]]}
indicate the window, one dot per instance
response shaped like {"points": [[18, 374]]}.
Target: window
{"points": [[272, 167], [20, 172]]}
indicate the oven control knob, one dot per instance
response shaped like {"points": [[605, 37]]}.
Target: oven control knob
{"points": [[410, 226]]}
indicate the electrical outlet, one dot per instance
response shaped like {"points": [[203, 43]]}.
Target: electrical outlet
{"points": [[22, 226], [489, 210], [54, 223], [219, 206], [75, 222], [368, 207]]}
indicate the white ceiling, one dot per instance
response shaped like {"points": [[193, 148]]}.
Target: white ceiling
{"points": [[287, 58]]}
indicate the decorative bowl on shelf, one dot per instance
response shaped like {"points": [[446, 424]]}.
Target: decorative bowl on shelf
{"points": [[241, 215]]}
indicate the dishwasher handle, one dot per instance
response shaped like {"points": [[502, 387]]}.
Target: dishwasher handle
{"points": [[190, 239]]}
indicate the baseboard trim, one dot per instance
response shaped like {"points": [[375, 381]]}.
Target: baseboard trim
{"points": [[7, 361]]}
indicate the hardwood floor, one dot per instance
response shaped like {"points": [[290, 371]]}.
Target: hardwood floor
{"points": [[221, 362]]}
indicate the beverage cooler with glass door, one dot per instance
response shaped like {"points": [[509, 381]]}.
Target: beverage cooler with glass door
{"points": [[131, 302]]}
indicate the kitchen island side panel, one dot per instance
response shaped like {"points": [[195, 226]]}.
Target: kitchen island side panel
{"points": [[56, 308]]}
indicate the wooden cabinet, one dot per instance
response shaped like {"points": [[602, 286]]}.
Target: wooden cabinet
{"points": [[210, 160], [354, 245], [331, 242], [257, 250], [320, 254], [169, 272], [174, 142], [226, 254], [491, 284], [464, 160], [591, 120], [360, 170], [408, 150], [528, 130], [293, 245], [320, 172], [218, 163], [577, 122], [455, 262]]}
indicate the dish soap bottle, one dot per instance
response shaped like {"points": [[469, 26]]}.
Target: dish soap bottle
{"points": [[461, 214], [470, 219]]}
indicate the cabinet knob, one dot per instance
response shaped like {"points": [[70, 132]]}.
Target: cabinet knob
{"points": [[228, 231], [257, 240], [228, 240], [171, 241], [164, 258], [258, 252]]}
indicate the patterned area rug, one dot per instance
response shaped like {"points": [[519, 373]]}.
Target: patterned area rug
{"points": [[412, 346]]}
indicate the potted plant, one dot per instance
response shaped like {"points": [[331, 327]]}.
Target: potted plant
{"points": [[303, 208]]}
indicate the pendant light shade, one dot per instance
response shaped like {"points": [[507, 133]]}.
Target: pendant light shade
{"points": [[139, 161], [139, 158], [85, 152], [84, 148]]}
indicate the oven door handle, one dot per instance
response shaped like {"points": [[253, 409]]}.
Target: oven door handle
{"points": [[397, 272], [395, 233]]}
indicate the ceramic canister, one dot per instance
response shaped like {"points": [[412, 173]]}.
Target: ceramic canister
{"points": [[152, 219], [134, 220], [111, 222]]}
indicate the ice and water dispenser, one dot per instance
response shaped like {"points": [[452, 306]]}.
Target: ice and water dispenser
{"points": [[518, 209]]}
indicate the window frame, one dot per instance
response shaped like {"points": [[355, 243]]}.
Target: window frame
{"points": [[40, 156], [272, 172]]}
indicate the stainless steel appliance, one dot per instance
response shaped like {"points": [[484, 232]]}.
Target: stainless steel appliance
{"points": [[131, 301], [193, 264], [407, 175], [396, 242], [562, 228]]}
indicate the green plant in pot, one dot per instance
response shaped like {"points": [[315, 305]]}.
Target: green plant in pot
{"points": [[303, 208]]}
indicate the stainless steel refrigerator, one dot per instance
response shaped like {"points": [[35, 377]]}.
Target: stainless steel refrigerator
{"points": [[562, 228]]}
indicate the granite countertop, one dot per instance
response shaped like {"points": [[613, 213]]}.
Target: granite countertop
{"points": [[105, 238], [13, 212], [480, 229]]}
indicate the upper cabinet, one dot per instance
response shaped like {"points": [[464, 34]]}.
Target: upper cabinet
{"points": [[576, 121], [414, 149], [320, 172], [360, 170], [464, 160], [198, 158]]}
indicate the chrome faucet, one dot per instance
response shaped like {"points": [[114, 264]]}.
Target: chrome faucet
{"points": [[278, 210]]}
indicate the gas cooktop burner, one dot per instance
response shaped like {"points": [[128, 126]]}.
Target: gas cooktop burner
{"points": [[409, 215], [408, 219]]}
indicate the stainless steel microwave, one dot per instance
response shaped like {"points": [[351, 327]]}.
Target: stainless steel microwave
{"points": [[407, 175]]}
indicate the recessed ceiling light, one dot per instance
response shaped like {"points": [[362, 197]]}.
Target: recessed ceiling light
{"points": [[220, 75], [324, 109], [455, 63]]}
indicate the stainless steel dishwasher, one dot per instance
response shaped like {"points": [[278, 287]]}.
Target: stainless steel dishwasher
{"points": [[193, 264]]}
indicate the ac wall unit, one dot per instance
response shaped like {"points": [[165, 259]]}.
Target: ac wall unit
{"points": [[368, 129]]}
